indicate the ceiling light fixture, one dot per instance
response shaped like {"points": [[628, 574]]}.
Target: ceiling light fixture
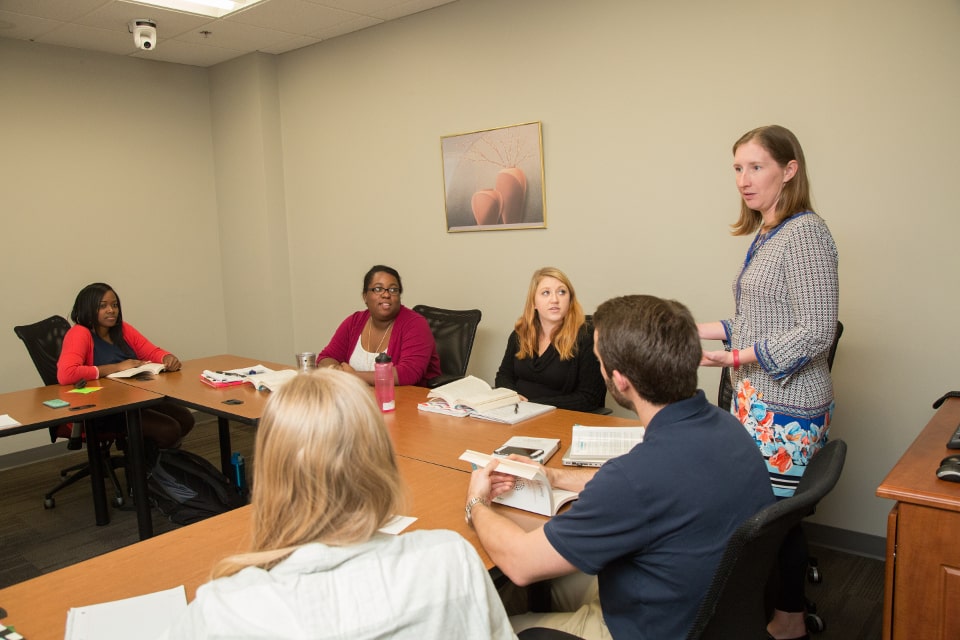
{"points": [[212, 8]]}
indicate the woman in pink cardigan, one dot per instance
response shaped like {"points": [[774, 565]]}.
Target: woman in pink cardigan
{"points": [[100, 343], [385, 326]]}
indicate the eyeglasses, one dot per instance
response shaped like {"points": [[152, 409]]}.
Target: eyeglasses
{"points": [[394, 291]]}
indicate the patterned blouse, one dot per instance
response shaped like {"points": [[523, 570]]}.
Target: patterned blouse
{"points": [[787, 296]]}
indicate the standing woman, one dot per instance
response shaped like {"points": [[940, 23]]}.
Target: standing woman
{"points": [[549, 357], [787, 295], [100, 343], [384, 326]]}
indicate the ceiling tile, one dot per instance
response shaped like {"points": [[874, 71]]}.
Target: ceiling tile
{"points": [[292, 16], [116, 16], [188, 53], [25, 27], [62, 10], [274, 26], [294, 42]]}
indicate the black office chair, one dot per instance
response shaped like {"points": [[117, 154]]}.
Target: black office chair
{"points": [[43, 341], [603, 411], [453, 332], [735, 605]]}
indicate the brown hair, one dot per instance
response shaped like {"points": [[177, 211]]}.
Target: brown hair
{"points": [[528, 326], [324, 470], [653, 343], [783, 147]]}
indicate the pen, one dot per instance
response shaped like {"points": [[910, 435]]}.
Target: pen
{"points": [[82, 406], [230, 373]]}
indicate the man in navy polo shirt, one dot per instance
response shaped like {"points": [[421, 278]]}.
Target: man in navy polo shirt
{"points": [[651, 524]]}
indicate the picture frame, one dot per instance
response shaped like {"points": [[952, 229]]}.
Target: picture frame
{"points": [[493, 179]]}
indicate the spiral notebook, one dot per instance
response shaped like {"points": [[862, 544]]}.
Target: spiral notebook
{"points": [[513, 413]]}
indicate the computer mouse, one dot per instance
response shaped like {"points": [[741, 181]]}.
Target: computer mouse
{"points": [[949, 471], [953, 458]]}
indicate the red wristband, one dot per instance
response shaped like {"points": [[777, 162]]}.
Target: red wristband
{"points": [[736, 358]]}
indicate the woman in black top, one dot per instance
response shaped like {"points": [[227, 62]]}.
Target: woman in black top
{"points": [[549, 357]]}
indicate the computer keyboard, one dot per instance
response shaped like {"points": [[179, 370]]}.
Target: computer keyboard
{"points": [[954, 442]]}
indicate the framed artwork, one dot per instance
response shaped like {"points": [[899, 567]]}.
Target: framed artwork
{"points": [[493, 179]]}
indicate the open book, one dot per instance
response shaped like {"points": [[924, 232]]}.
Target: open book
{"points": [[532, 492], [592, 446], [262, 378], [472, 394], [148, 368], [271, 380]]}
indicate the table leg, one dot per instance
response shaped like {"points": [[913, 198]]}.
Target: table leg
{"points": [[95, 460], [138, 474], [224, 426]]}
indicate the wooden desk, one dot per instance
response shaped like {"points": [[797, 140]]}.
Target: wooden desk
{"points": [[440, 439], [922, 586], [421, 435], [27, 408], [184, 387], [38, 607]]}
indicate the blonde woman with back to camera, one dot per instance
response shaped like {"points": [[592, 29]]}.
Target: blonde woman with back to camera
{"points": [[325, 481]]}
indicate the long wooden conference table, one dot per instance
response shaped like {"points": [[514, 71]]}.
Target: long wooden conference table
{"points": [[427, 446]]}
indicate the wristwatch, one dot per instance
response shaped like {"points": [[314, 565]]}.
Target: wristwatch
{"points": [[471, 503]]}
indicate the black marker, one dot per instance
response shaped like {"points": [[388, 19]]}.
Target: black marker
{"points": [[82, 406]]}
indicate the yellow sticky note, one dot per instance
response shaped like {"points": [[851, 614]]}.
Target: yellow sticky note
{"points": [[85, 390]]}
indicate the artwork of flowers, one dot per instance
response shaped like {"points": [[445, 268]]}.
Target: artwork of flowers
{"points": [[493, 179]]}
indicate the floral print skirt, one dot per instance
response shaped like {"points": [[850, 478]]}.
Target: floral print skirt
{"points": [[786, 442]]}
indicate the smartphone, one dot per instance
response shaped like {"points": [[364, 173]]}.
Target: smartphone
{"points": [[533, 454]]}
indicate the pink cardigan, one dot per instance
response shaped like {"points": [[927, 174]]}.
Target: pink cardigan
{"points": [[76, 355], [411, 346]]}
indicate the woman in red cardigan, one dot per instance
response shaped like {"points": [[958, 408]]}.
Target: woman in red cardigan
{"points": [[100, 343]]}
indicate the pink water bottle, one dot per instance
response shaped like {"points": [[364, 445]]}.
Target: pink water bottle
{"points": [[383, 382]]}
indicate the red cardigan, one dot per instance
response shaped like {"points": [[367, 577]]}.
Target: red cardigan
{"points": [[76, 355]]}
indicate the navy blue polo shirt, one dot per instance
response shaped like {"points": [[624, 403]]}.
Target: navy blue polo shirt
{"points": [[653, 524]]}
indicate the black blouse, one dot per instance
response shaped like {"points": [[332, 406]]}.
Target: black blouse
{"points": [[566, 384]]}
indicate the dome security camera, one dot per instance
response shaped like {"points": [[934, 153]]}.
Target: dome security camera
{"points": [[144, 34]]}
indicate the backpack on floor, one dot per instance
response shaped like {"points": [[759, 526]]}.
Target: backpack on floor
{"points": [[187, 488]]}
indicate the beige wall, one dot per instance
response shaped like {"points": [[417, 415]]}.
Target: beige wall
{"points": [[639, 102], [106, 174]]}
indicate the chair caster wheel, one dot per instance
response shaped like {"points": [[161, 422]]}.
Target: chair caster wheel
{"points": [[49, 503], [813, 573], [815, 623]]}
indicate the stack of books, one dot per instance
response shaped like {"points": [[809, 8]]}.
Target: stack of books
{"points": [[473, 397]]}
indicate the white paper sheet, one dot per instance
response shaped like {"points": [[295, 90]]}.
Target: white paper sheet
{"points": [[144, 617], [398, 524]]}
